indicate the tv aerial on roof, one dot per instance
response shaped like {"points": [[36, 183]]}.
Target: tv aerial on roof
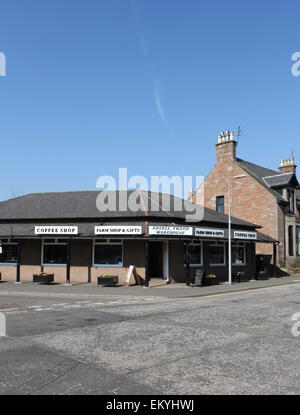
{"points": [[239, 133]]}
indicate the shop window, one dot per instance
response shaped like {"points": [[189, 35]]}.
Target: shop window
{"points": [[54, 252], [195, 252], [217, 253], [220, 204], [291, 240], [108, 253], [8, 253], [238, 254]]}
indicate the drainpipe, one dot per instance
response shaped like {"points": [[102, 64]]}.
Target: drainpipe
{"points": [[18, 277], [275, 258], [187, 264], [68, 262], [147, 264]]}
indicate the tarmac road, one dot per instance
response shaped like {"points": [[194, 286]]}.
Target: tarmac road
{"points": [[234, 343]]}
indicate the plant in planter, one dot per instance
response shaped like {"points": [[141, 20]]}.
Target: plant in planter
{"points": [[262, 275], [43, 278], [241, 277], [211, 279], [108, 280]]}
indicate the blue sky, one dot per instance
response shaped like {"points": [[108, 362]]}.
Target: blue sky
{"points": [[95, 85]]}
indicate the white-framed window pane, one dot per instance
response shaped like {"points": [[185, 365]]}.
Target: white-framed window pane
{"points": [[9, 254], [238, 254], [55, 254], [108, 254], [195, 254], [216, 255]]}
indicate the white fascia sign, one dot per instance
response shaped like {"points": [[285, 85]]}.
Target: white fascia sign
{"points": [[171, 230], [118, 230], [209, 233], [56, 230], [245, 235]]}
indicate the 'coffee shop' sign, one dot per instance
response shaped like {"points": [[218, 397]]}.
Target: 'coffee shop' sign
{"points": [[245, 235], [56, 230]]}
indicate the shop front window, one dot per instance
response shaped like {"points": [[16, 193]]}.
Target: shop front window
{"points": [[108, 253], [54, 252], [195, 252], [217, 254], [238, 254], [8, 253]]}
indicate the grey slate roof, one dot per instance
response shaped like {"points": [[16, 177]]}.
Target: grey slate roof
{"points": [[260, 173], [81, 206], [279, 180]]}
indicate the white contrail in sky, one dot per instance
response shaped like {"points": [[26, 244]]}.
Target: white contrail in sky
{"points": [[145, 50], [159, 106]]}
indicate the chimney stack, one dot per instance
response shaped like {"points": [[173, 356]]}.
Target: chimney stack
{"points": [[226, 147], [288, 166]]}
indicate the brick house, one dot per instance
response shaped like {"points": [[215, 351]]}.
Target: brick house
{"points": [[268, 198]]}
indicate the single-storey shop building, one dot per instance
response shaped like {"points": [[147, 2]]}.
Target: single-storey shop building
{"points": [[65, 234]]}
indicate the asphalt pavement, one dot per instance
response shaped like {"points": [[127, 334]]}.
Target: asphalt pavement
{"points": [[234, 343]]}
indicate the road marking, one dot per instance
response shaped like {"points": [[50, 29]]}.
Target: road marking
{"points": [[44, 309], [73, 306], [8, 309]]}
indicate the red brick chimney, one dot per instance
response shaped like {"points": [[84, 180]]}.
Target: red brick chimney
{"points": [[288, 166], [226, 147]]}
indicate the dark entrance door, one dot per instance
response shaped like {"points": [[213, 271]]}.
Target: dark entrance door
{"points": [[156, 260]]}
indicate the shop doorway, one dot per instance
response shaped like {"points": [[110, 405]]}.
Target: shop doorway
{"points": [[159, 260]]}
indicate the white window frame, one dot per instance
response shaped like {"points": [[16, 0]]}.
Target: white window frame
{"points": [[111, 241], [44, 242], [244, 260], [200, 244], [8, 242], [218, 243]]}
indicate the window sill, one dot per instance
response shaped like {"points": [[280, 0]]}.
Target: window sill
{"points": [[9, 264], [217, 265], [54, 265], [107, 266]]}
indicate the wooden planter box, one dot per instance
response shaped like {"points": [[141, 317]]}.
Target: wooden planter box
{"points": [[262, 277], [43, 279], [108, 281], [242, 278], [211, 281]]}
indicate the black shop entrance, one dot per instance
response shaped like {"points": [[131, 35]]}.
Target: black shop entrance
{"points": [[156, 261]]}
